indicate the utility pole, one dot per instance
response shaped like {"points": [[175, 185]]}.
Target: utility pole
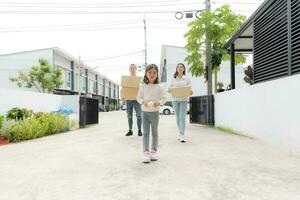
{"points": [[208, 64], [208, 55], [145, 35]]}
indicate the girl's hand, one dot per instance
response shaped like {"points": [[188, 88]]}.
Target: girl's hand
{"points": [[156, 104], [145, 104]]}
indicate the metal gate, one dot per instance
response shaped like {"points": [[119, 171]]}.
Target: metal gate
{"points": [[202, 110], [88, 111]]}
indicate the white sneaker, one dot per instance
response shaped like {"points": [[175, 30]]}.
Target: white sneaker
{"points": [[146, 160], [153, 156], [182, 140], [179, 137], [146, 157]]}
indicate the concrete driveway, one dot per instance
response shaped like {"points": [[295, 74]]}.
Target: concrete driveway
{"points": [[99, 162]]}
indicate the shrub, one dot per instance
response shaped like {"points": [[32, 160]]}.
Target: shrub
{"points": [[24, 130], [111, 107], [73, 124], [40, 125], [1, 120], [38, 114], [18, 114], [169, 103], [55, 122]]}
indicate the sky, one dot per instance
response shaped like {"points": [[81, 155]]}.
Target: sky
{"points": [[105, 34]]}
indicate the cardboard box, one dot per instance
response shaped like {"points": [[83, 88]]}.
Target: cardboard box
{"points": [[131, 81], [179, 92], [129, 93]]}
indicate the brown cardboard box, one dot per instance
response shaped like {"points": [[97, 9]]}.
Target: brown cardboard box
{"points": [[179, 92], [129, 93], [131, 81]]}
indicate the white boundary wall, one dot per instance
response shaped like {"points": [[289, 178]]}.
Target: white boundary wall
{"points": [[269, 111], [38, 102]]}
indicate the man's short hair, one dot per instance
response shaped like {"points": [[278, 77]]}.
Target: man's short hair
{"points": [[132, 65]]}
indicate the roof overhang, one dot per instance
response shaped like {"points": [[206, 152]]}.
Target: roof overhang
{"points": [[243, 38]]}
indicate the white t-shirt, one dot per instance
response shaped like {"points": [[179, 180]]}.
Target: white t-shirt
{"points": [[151, 93]]}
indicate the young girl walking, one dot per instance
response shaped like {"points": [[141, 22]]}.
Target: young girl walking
{"points": [[151, 95]]}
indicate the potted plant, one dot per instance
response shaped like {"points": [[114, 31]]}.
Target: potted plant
{"points": [[2, 138], [248, 75], [228, 87], [220, 87]]}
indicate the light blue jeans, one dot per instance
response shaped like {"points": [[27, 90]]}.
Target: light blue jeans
{"points": [[180, 108], [130, 104]]}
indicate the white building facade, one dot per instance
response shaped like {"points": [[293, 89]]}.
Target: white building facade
{"points": [[89, 82]]}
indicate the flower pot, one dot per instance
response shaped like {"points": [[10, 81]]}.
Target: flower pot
{"points": [[3, 141]]}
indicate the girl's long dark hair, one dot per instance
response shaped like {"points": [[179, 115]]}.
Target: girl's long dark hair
{"points": [[176, 73], [149, 67]]}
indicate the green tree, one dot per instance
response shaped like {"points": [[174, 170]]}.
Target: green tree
{"points": [[219, 26], [43, 78]]}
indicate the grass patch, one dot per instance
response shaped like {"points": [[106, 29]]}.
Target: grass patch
{"points": [[231, 131]]}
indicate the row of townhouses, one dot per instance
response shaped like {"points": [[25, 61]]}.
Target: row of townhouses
{"points": [[75, 75]]}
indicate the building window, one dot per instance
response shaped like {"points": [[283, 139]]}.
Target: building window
{"points": [[100, 90], [107, 91], [68, 79], [84, 85], [95, 87]]}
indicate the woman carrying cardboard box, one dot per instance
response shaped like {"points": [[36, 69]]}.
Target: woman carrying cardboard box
{"points": [[180, 89]]}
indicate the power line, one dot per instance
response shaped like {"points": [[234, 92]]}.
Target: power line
{"points": [[66, 30], [103, 24], [92, 26], [117, 4], [95, 6], [108, 23], [113, 57], [83, 12]]}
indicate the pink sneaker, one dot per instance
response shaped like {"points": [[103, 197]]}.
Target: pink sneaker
{"points": [[153, 156], [146, 157]]}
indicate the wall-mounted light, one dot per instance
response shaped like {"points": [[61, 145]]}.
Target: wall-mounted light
{"points": [[178, 15], [188, 14]]}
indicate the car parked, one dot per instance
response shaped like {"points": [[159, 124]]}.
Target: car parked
{"points": [[166, 110]]}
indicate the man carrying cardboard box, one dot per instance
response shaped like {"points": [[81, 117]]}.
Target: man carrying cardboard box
{"points": [[130, 85]]}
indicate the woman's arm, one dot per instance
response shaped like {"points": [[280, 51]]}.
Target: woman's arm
{"points": [[162, 96], [189, 83], [171, 84]]}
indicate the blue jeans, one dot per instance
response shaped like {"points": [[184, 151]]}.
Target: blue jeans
{"points": [[180, 108], [130, 104]]}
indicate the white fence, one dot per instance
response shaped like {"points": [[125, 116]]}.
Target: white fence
{"points": [[269, 111], [38, 102]]}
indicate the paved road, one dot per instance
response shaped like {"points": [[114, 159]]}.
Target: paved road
{"points": [[99, 162]]}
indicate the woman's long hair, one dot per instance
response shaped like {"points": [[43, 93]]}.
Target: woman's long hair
{"points": [[148, 68], [176, 73]]}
